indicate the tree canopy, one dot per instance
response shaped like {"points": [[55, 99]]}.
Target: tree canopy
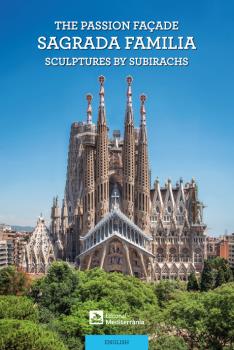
{"points": [[26, 335], [56, 290], [168, 342], [13, 281], [166, 290], [192, 282], [206, 319], [216, 271], [54, 314], [18, 307]]}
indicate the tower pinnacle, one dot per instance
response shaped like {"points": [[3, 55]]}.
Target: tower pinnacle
{"points": [[129, 91], [143, 112], [101, 112], [101, 92], [89, 98]]}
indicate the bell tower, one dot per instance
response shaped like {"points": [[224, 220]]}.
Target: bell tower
{"points": [[88, 162], [102, 159], [129, 156], [142, 176]]}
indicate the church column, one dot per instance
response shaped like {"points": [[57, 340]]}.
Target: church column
{"points": [[153, 268], [89, 261], [143, 264], [128, 258], [103, 256]]}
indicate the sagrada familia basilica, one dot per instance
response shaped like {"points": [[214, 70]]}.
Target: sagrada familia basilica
{"points": [[111, 217]]}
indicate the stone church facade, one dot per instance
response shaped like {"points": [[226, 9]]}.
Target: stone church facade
{"points": [[111, 217], [38, 252]]}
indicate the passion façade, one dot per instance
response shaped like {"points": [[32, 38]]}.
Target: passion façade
{"points": [[150, 26], [112, 43]]}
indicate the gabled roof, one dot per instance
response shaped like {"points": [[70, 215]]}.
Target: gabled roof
{"points": [[118, 213], [121, 237], [131, 234]]}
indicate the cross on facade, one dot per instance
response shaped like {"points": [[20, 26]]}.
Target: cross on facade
{"points": [[115, 199]]}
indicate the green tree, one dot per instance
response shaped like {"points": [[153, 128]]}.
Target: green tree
{"points": [[166, 290], [127, 294], [13, 281], [221, 271], [219, 319], [26, 335], [56, 290], [207, 277], [185, 315], [192, 284], [113, 293], [220, 278], [18, 307], [168, 342], [216, 271], [45, 315], [205, 319]]}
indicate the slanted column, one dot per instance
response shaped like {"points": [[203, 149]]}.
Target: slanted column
{"points": [[90, 260], [103, 256], [128, 259], [143, 264]]}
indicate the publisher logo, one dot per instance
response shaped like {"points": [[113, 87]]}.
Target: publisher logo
{"points": [[96, 317]]}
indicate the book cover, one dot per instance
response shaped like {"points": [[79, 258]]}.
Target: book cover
{"points": [[116, 149]]}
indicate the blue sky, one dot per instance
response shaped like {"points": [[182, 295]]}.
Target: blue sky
{"points": [[189, 110]]}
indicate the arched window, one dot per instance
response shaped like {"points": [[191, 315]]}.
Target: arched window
{"points": [[198, 255], [172, 254], [160, 255], [185, 255]]}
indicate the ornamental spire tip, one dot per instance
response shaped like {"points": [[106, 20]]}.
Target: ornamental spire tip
{"points": [[101, 79], [129, 79], [101, 92], [129, 91], [89, 98], [143, 112]]}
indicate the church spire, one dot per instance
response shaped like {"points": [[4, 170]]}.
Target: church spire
{"points": [[129, 112], [102, 158], [143, 133], [129, 156], [142, 178], [88, 220], [89, 98], [129, 91], [101, 110], [64, 223], [55, 217], [143, 112]]}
